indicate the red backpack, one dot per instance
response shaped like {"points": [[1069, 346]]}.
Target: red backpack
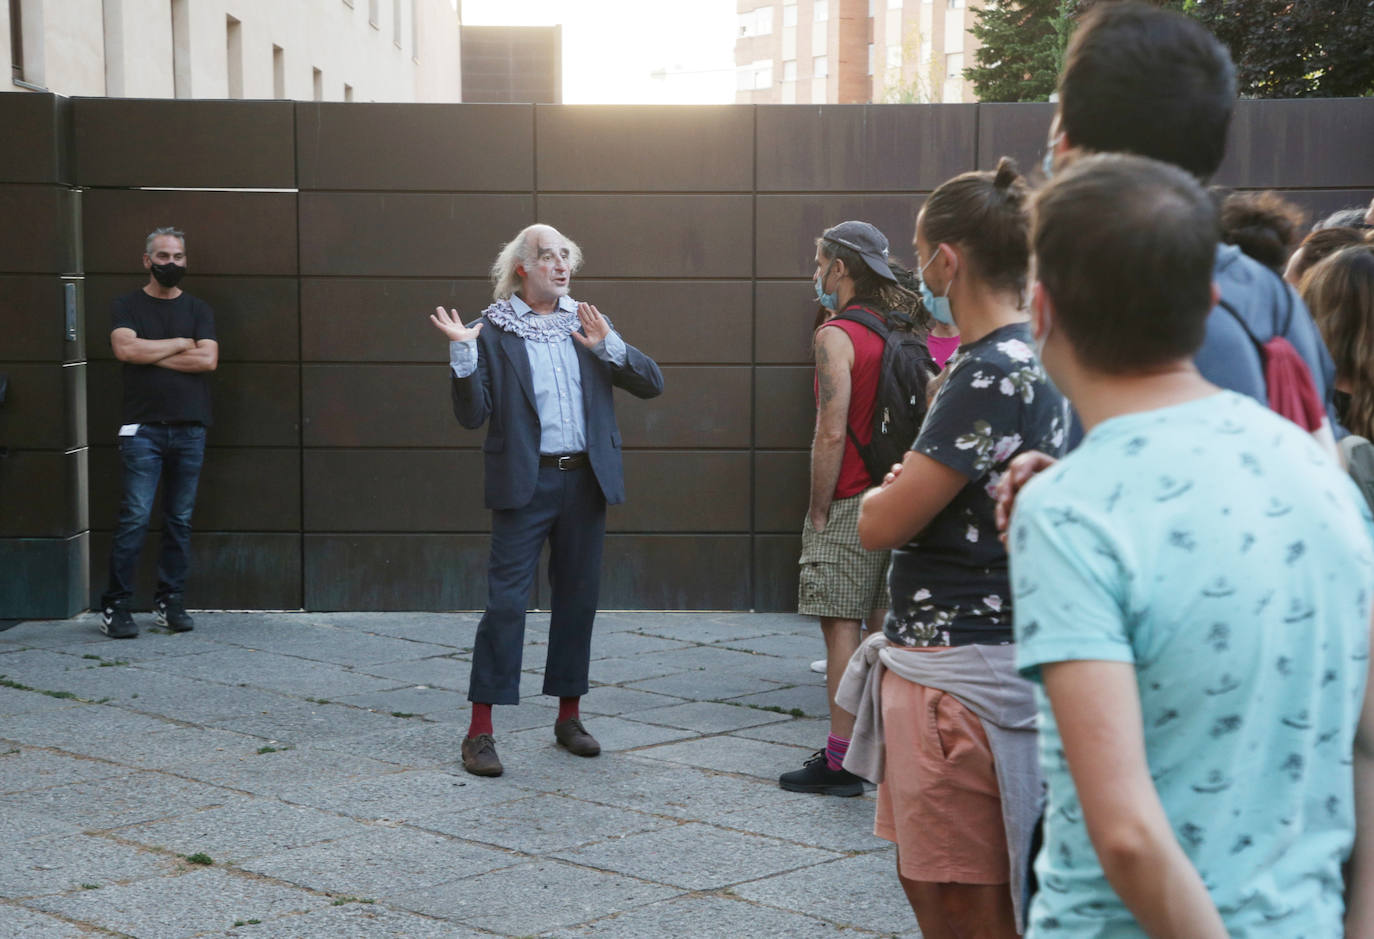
{"points": [[1292, 392]]}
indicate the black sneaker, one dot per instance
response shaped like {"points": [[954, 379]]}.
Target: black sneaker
{"points": [[816, 776], [116, 622], [170, 611]]}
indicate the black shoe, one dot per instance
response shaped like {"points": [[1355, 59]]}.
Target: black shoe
{"points": [[479, 756], [116, 622], [816, 776], [573, 737], [170, 612]]}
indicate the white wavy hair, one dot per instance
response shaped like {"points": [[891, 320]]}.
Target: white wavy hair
{"points": [[523, 249]]}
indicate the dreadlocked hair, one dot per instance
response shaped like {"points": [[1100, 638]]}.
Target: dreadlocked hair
{"points": [[873, 289]]}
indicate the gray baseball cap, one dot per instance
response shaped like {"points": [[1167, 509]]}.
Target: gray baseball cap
{"points": [[867, 241]]}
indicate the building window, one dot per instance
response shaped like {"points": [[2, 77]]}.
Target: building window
{"points": [[894, 4], [789, 70], [926, 51], [233, 47], [756, 76], [278, 72], [894, 56], [954, 65], [870, 58], [756, 22], [348, 92], [956, 4], [17, 40], [789, 15], [821, 11], [820, 67], [318, 81]]}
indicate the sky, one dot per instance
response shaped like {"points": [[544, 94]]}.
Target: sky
{"points": [[631, 51]]}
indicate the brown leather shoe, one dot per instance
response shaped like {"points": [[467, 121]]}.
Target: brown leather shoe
{"points": [[573, 737], [479, 756]]}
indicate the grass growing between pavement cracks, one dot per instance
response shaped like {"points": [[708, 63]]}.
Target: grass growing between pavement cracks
{"points": [[65, 695], [200, 857], [104, 663], [247, 922], [340, 901]]}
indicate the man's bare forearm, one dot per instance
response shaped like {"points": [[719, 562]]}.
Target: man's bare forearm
{"points": [[203, 358], [150, 351]]}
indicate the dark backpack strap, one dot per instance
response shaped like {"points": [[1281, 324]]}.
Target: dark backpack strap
{"points": [[870, 318], [1240, 320]]}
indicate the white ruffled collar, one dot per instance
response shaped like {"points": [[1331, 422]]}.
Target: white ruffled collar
{"points": [[513, 316]]}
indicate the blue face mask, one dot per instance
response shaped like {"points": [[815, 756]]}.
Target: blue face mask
{"points": [[937, 307], [1047, 164], [828, 300]]}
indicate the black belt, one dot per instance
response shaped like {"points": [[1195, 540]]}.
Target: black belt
{"points": [[564, 461]]}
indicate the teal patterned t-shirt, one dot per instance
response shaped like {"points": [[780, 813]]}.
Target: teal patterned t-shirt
{"points": [[1213, 545]]}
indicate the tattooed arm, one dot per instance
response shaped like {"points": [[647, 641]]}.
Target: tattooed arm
{"points": [[834, 359]]}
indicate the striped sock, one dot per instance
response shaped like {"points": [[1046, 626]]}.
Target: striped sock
{"points": [[835, 749]]}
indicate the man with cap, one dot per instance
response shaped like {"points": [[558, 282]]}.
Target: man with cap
{"points": [[841, 583]]}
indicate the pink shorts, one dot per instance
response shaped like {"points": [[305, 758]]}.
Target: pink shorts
{"points": [[939, 799]]}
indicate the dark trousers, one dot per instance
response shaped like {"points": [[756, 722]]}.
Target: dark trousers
{"points": [[173, 454], [569, 511]]}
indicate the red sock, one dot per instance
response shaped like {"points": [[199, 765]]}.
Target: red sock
{"points": [[481, 719], [567, 707]]}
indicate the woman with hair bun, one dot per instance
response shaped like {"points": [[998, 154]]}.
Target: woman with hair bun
{"points": [[960, 789]]}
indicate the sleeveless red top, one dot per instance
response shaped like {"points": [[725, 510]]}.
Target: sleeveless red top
{"points": [[863, 391]]}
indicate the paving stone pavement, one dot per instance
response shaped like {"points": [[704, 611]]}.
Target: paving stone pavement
{"points": [[312, 760]]}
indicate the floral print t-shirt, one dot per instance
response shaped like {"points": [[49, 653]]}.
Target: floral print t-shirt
{"points": [[950, 583]]}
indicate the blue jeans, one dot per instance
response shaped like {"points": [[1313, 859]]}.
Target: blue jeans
{"points": [[173, 454]]}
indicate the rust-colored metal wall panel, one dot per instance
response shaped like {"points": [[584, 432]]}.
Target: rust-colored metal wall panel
{"points": [[647, 572], [36, 129], [32, 311], [1313, 143], [788, 227], [677, 321], [39, 406], [395, 572], [407, 234], [381, 406], [683, 491], [37, 235], [241, 489], [776, 573], [394, 491], [256, 318], [784, 317], [706, 407], [656, 235], [782, 488], [351, 319], [645, 149], [864, 148], [785, 400], [255, 405], [398, 147], [229, 571], [1019, 130], [218, 144], [239, 233], [41, 493]]}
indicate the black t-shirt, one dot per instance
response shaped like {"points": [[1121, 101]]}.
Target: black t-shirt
{"points": [[950, 585], [152, 392]]}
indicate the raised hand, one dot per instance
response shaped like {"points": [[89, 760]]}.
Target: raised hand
{"points": [[593, 324], [450, 325]]}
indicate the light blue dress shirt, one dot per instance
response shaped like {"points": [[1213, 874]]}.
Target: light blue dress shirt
{"points": [[557, 380]]}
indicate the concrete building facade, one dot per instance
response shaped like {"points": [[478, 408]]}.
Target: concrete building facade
{"points": [[854, 51], [322, 50]]}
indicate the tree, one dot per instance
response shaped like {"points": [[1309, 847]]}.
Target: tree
{"points": [[1282, 48], [1295, 48], [1022, 49]]}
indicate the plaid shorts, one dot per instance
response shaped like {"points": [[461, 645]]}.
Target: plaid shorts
{"points": [[840, 579]]}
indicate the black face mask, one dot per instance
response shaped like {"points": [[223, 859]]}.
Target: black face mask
{"points": [[168, 275]]}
